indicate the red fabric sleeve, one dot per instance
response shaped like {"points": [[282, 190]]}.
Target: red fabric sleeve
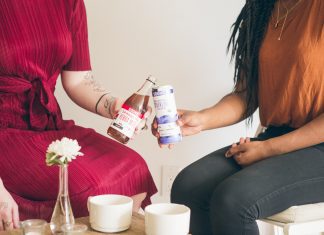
{"points": [[80, 58]]}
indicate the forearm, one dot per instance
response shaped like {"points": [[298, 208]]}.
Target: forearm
{"points": [[87, 93], [229, 110], [308, 135]]}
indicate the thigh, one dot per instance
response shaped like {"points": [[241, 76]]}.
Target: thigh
{"points": [[106, 164], [277, 183], [199, 179]]}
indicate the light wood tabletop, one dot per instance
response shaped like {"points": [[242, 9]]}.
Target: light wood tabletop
{"points": [[137, 227]]}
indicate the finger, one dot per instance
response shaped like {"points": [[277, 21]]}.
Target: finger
{"points": [[183, 119], [242, 140], [170, 146], [115, 107], [181, 112], [235, 150], [154, 123], [238, 158], [227, 154], [155, 132], [247, 140], [154, 127], [148, 112], [7, 219], [162, 145], [241, 159], [15, 216], [1, 224]]}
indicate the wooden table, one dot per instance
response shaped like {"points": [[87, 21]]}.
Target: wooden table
{"points": [[137, 227]]}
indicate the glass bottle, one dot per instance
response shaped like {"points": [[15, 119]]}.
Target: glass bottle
{"points": [[62, 213], [131, 113]]}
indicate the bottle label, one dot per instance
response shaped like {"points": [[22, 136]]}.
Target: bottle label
{"points": [[127, 120], [169, 129]]}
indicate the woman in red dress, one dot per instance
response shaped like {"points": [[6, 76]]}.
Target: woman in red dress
{"points": [[40, 40]]}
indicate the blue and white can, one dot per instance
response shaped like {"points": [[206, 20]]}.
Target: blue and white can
{"points": [[166, 114]]}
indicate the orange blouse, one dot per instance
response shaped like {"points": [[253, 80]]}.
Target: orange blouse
{"points": [[291, 70]]}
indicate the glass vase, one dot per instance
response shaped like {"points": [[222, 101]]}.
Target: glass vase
{"points": [[62, 213]]}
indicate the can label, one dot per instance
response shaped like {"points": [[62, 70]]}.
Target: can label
{"points": [[166, 115], [127, 120]]}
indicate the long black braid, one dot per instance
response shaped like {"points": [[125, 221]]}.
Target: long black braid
{"points": [[247, 35]]}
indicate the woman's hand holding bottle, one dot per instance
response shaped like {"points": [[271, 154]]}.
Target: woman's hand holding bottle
{"points": [[132, 114], [190, 122], [118, 103]]}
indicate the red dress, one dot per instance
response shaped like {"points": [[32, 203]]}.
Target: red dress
{"points": [[39, 39]]}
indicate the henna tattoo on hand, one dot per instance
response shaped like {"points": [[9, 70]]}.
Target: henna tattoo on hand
{"points": [[93, 83]]}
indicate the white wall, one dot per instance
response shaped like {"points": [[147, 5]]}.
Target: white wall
{"points": [[182, 43]]}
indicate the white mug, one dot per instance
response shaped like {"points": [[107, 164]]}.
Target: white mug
{"points": [[110, 213], [167, 219]]}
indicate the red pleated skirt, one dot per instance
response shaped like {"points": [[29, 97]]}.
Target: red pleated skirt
{"points": [[106, 167]]}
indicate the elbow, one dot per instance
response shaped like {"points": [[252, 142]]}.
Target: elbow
{"points": [[71, 80]]}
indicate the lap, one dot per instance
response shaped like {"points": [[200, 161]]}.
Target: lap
{"points": [[278, 182], [274, 184], [200, 178], [105, 163]]}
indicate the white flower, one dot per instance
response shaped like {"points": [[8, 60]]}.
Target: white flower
{"points": [[62, 151]]}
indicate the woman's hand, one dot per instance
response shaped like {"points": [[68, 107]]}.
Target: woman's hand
{"points": [[9, 215], [118, 103], [190, 122], [247, 152]]}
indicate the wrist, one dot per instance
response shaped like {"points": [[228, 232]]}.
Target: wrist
{"points": [[272, 147], [106, 106], [203, 116]]}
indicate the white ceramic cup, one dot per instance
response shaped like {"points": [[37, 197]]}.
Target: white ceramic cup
{"points": [[167, 219], [110, 213]]}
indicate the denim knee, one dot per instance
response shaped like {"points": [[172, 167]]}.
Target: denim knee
{"points": [[180, 188], [231, 210]]}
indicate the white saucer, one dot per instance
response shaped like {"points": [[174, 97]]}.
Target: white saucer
{"points": [[109, 230]]}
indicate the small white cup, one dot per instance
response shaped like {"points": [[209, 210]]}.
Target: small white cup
{"points": [[110, 213], [167, 219]]}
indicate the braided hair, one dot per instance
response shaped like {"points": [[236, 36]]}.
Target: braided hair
{"points": [[247, 34]]}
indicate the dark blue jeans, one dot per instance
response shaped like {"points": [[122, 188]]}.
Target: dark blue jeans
{"points": [[226, 199]]}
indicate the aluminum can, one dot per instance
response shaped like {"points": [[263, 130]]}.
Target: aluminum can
{"points": [[166, 114]]}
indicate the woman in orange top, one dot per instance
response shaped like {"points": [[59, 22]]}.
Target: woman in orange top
{"points": [[278, 47]]}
